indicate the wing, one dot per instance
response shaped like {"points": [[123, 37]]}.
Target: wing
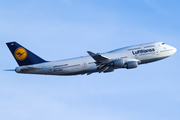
{"points": [[97, 57], [105, 64], [101, 62]]}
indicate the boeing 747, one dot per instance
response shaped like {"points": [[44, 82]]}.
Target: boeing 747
{"points": [[127, 57]]}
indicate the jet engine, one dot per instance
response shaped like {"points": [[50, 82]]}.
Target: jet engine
{"points": [[131, 64], [117, 63]]}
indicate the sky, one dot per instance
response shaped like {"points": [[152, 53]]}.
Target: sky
{"points": [[60, 29]]}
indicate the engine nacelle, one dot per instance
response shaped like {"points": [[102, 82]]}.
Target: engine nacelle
{"points": [[118, 63], [131, 64]]}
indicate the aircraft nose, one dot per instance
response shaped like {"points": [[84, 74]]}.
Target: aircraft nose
{"points": [[174, 50]]}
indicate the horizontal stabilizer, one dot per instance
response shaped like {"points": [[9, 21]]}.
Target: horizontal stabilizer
{"points": [[31, 68], [10, 70], [26, 68]]}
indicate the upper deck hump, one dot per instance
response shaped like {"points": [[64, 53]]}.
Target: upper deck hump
{"points": [[134, 46]]}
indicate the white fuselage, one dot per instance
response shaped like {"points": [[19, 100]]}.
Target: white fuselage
{"points": [[144, 53]]}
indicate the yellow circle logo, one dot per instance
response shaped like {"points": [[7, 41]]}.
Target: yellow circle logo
{"points": [[20, 54]]}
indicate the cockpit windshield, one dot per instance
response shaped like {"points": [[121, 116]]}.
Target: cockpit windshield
{"points": [[163, 43]]}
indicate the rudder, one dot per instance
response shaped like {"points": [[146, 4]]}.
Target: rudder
{"points": [[22, 55]]}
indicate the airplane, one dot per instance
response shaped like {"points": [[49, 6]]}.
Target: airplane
{"points": [[127, 57]]}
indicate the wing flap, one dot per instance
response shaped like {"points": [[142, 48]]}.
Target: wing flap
{"points": [[103, 69]]}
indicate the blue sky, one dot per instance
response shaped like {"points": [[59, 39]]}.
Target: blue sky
{"points": [[63, 29]]}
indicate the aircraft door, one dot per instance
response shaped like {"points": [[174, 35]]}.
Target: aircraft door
{"points": [[157, 50], [84, 65]]}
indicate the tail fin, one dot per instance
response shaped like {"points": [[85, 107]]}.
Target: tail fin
{"points": [[22, 55]]}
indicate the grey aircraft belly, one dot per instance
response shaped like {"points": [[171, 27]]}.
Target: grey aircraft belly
{"points": [[127, 57]]}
